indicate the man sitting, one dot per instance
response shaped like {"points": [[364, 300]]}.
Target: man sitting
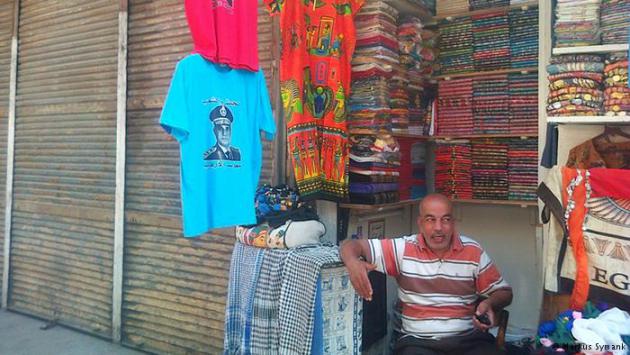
{"points": [[447, 284]]}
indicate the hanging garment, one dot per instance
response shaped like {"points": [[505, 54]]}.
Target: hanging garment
{"points": [[225, 31], [318, 41], [217, 122], [587, 255]]}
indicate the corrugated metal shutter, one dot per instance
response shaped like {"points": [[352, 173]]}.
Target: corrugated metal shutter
{"points": [[174, 289], [6, 32], [62, 232]]}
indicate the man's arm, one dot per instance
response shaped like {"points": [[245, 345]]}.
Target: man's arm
{"points": [[491, 306], [350, 252]]}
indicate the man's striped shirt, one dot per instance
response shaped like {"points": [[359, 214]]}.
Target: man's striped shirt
{"points": [[438, 296]]}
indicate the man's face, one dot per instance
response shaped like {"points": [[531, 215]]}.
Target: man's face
{"points": [[436, 224], [224, 134]]}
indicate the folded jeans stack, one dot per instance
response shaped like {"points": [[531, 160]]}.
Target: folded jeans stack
{"points": [[374, 164]]}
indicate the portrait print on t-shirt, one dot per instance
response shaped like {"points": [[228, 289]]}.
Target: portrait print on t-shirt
{"points": [[222, 118]]}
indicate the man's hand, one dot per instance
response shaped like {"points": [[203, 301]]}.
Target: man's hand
{"points": [[484, 307], [358, 271]]}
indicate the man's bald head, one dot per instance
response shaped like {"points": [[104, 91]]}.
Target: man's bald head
{"points": [[435, 198]]}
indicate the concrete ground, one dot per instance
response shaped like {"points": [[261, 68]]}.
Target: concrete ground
{"points": [[21, 335]]}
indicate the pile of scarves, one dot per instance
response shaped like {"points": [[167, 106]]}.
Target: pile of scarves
{"points": [[575, 87], [577, 23], [615, 21], [412, 169], [453, 165], [489, 169], [456, 51], [616, 91], [455, 107], [523, 169], [523, 103], [376, 53], [491, 104], [491, 41], [523, 40], [374, 164], [296, 301]]}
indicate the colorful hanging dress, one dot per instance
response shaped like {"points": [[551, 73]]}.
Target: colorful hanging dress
{"points": [[318, 40]]}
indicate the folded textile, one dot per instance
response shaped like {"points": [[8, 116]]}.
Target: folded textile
{"points": [[294, 234]]}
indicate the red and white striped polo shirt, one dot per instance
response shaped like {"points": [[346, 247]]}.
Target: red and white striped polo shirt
{"points": [[438, 295]]}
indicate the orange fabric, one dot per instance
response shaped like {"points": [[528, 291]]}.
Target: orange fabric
{"points": [[579, 295]]}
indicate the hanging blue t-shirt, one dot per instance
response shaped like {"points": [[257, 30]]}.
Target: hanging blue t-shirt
{"points": [[217, 113]]}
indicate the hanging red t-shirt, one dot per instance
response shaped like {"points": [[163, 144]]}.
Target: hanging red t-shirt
{"points": [[225, 31]]}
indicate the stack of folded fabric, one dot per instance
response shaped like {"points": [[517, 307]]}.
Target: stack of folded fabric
{"points": [[575, 85], [523, 38], [410, 41], [456, 50], [523, 103], [616, 91], [615, 21], [399, 100], [577, 23], [428, 5], [453, 163], [455, 107], [428, 52], [412, 169], [451, 6], [486, 4], [491, 104], [517, 2], [375, 55], [374, 164], [523, 169], [416, 94], [283, 221], [491, 41], [490, 170]]}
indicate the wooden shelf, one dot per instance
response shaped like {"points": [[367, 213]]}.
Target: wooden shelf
{"points": [[409, 8], [521, 203], [606, 48], [473, 136], [590, 119], [388, 206], [492, 72], [448, 137], [451, 15], [378, 208]]}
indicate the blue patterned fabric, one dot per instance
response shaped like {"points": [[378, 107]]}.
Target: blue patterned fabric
{"points": [[317, 348], [244, 271], [297, 297]]}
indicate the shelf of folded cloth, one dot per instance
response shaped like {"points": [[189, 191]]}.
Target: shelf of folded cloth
{"points": [[466, 136], [590, 119], [452, 15], [606, 48], [488, 72], [389, 206], [413, 8]]}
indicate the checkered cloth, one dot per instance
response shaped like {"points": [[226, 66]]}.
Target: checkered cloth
{"points": [[244, 271], [297, 297], [265, 322]]}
